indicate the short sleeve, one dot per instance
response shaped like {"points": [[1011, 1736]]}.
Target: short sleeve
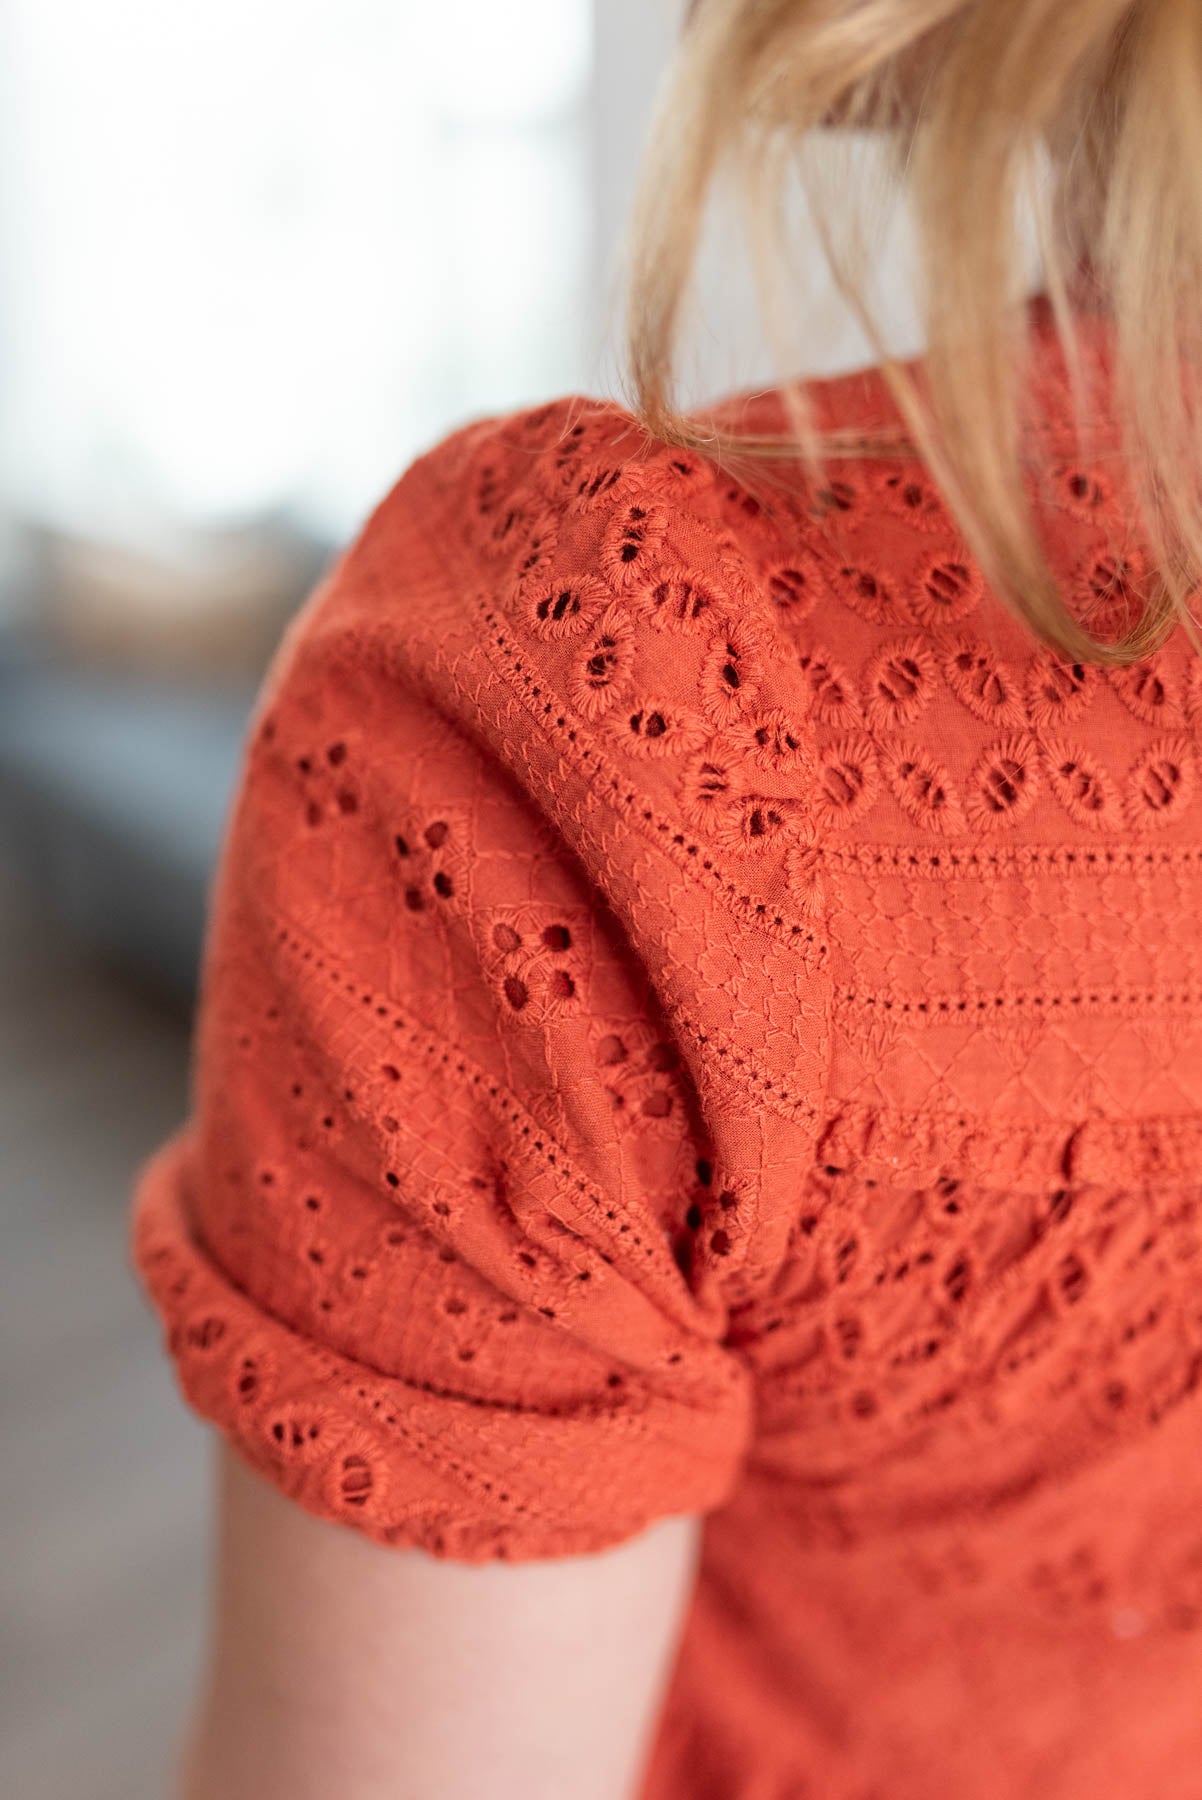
{"points": [[415, 1252]]}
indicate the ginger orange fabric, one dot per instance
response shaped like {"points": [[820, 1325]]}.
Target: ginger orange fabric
{"points": [[703, 1013]]}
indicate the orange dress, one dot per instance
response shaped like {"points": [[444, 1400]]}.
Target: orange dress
{"points": [[702, 1013]]}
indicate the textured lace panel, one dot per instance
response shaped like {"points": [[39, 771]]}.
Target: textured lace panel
{"points": [[445, 1159], [699, 1004]]}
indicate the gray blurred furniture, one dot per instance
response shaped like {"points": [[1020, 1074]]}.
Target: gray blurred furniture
{"points": [[112, 799]]}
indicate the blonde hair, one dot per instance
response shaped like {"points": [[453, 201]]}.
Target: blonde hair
{"points": [[1088, 111]]}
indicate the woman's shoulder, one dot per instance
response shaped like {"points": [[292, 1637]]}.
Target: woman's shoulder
{"points": [[618, 586]]}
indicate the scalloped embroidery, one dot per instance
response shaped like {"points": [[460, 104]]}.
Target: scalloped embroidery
{"points": [[1150, 691], [1080, 491], [836, 496], [909, 494], [679, 600], [1004, 782], [922, 787], [658, 728], [899, 682], [631, 538], [756, 821], [731, 671], [871, 597], [594, 482], [983, 683], [1081, 785], [556, 609], [776, 741], [1056, 691], [794, 587], [507, 531], [709, 788], [848, 778], [832, 696], [355, 1480], [576, 466], [537, 558], [1161, 783], [601, 669], [1108, 591], [1193, 692], [641, 1075], [946, 590], [803, 872]]}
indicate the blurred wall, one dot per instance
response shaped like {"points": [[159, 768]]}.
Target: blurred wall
{"points": [[634, 40]]}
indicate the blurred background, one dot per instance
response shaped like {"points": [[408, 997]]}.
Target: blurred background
{"points": [[240, 288]]}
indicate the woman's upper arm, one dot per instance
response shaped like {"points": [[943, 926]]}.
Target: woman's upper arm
{"points": [[342, 1666]]}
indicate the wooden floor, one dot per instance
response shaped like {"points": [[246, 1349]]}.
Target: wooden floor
{"points": [[103, 1514]]}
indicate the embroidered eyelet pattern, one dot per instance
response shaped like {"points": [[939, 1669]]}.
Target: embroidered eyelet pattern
{"points": [[633, 534], [603, 667], [900, 682], [910, 495], [1004, 783], [945, 591], [563, 608], [756, 976], [923, 788], [984, 684], [658, 728], [732, 671], [1057, 691]]}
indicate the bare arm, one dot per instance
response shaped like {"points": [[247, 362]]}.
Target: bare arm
{"points": [[342, 1667]]}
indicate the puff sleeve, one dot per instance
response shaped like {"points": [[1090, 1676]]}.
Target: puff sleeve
{"points": [[413, 1252]]}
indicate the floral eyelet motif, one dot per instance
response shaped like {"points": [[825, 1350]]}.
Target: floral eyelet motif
{"points": [[776, 741], [1082, 492], [803, 871], [1056, 691], [945, 591], [922, 787], [909, 494], [1108, 593], [832, 696], [900, 682], [795, 587], [561, 608], [1193, 694], [848, 777], [711, 789], [537, 962], [602, 668], [1004, 783], [355, 1480], [431, 860], [632, 537], [301, 1431], [506, 532], [640, 1071], [983, 683], [585, 464], [1149, 690], [1082, 786], [680, 599], [871, 596], [537, 560], [327, 780], [731, 671], [1161, 784], [757, 821], [658, 728], [835, 496]]}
